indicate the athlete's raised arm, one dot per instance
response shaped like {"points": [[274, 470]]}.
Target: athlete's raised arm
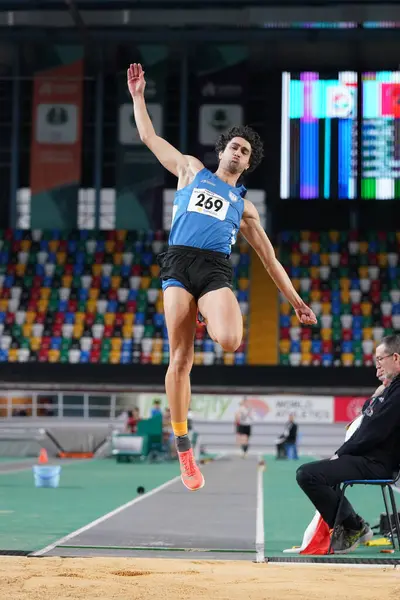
{"points": [[253, 231], [173, 160]]}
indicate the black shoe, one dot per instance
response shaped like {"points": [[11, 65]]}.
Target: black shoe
{"points": [[347, 540]]}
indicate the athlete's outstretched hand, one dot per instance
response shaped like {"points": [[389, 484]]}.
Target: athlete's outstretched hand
{"points": [[136, 80], [305, 315]]}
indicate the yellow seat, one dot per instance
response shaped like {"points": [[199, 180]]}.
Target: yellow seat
{"points": [[368, 333], [345, 296], [30, 317], [334, 236], [3, 305], [229, 359], [128, 318], [305, 346], [94, 293], [13, 355], [363, 272], [198, 358], [67, 281], [315, 295], [284, 346], [35, 343], [118, 258], [243, 284], [96, 270], [116, 344], [115, 357], [366, 309], [61, 258], [25, 245], [286, 308], [145, 282], [306, 359], [127, 331], [314, 272], [157, 344], [315, 247], [324, 260], [156, 358], [115, 282], [53, 245], [304, 235], [296, 284], [383, 259], [27, 330], [121, 235], [363, 247], [20, 270], [294, 322], [79, 318], [91, 306], [344, 283], [109, 246], [326, 334], [109, 318], [295, 259], [42, 305], [160, 306], [326, 308], [347, 359], [54, 355], [77, 331], [45, 293], [154, 270]]}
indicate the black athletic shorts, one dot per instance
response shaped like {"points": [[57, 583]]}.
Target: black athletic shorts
{"points": [[198, 271], [243, 430]]}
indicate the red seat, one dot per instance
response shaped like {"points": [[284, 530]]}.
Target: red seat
{"points": [[136, 270], [108, 331], [145, 359], [305, 334], [131, 306], [89, 319]]}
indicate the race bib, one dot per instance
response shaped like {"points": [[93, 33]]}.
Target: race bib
{"points": [[208, 203]]}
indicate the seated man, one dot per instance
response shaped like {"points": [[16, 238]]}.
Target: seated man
{"points": [[372, 452]]}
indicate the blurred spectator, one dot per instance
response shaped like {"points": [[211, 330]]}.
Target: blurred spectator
{"points": [[287, 440], [156, 409], [133, 420]]}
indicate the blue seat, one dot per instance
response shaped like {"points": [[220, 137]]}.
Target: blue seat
{"points": [[55, 343], [347, 347], [39, 270], [240, 358], [158, 320], [85, 355], [327, 360], [69, 318], [83, 294], [140, 318], [315, 259], [132, 296], [295, 347], [316, 347], [284, 321], [126, 358]]}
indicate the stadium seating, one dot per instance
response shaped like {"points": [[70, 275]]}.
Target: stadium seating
{"points": [[351, 281], [85, 297]]}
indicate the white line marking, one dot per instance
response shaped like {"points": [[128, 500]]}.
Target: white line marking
{"points": [[108, 515], [260, 542]]}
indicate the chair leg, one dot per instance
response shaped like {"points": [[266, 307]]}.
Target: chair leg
{"points": [[383, 488], [395, 514], [342, 491]]}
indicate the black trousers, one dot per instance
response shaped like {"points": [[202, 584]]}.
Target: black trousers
{"points": [[319, 479]]}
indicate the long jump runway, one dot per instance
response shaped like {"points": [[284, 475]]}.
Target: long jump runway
{"points": [[217, 522]]}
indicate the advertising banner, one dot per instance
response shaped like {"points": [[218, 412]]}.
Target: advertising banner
{"points": [[56, 142], [348, 408], [268, 409]]}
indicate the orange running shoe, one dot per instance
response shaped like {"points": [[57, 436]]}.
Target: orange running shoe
{"points": [[191, 475]]}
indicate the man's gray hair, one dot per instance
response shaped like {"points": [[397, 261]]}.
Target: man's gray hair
{"points": [[392, 343]]}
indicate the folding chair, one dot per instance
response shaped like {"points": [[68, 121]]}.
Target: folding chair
{"points": [[383, 483]]}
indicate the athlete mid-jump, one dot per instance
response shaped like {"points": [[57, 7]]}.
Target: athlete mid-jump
{"points": [[209, 209]]}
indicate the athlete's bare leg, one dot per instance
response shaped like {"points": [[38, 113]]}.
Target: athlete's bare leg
{"points": [[180, 316], [223, 317]]}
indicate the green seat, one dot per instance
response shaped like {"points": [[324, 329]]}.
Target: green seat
{"points": [[142, 306], [65, 345], [99, 319], [336, 322], [336, 335], [82, 306], [89, 259], [148, 331], [367, 322], [335, 285], [306, 296], [76, 281], [345, 309], [343, 272], [106, 345], [53, 306], [16, 331], [165, 358], [59, 271], [64, 356], [104, 357], [155, 283], [28, 281], [285, 360], [363, 260], [116, 270], [25, 343]]}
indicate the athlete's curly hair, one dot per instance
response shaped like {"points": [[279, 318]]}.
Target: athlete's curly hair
{"points": [[247, 133]]}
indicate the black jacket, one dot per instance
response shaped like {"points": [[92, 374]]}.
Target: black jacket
{"points": [[378, 436]]}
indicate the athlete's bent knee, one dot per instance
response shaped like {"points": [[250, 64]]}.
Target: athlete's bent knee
{"points": [[230, 341], [180, 364], [303, 476]]}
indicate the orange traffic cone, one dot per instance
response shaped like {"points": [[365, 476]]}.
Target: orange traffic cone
{"points": [[43, 458]]}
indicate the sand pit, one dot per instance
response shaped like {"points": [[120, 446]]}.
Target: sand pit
{"points": [[171, 579]]}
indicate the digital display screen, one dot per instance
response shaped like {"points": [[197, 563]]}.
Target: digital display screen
{"points": [[319, 135], [380, 165]]}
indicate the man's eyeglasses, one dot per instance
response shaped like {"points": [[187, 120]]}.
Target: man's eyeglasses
{"points": [[379, 359]]}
